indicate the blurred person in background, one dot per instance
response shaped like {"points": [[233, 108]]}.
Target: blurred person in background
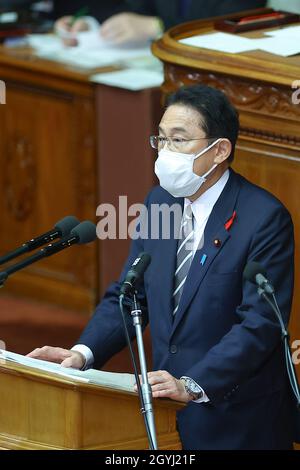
{"points": [[132, 21]]}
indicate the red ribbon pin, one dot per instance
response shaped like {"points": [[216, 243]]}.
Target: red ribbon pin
{"points": [[230, 221]]}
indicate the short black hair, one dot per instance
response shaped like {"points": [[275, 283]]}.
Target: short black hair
{"points": [[220, 117]]}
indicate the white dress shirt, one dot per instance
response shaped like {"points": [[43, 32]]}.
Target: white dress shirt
{"points": [[202, 209]]}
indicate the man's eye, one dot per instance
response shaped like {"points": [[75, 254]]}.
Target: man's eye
{"points": [[177, 140]]}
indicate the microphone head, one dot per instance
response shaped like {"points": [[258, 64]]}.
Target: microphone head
{"points": [[86, 232], [135, 273], [65, 225], [141, 263], [251, 270]]}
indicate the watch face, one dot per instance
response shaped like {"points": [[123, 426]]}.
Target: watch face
{"points": [[193, 389]]}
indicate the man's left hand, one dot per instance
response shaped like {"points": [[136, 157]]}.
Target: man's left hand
{"points": [[164, 385]]}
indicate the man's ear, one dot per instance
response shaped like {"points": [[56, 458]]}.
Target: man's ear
{"points": [[223, 151]]}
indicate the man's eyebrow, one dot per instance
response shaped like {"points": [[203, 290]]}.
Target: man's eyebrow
{"points": [[174, 129]]}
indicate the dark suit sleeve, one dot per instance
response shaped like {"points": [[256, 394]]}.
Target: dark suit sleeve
{"points": [[245, 349], [104, 334]]}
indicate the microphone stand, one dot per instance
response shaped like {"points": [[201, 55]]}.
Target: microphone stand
{"points": [[285, 338], [136, 314]]}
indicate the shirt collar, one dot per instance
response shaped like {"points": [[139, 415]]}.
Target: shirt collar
{"points": [[203, 206]]}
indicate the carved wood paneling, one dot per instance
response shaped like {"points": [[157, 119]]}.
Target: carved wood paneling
{"points": [[249, 95]]}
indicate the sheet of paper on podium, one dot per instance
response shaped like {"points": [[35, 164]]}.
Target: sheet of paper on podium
{"points": [[105, 379], [279, 42], [222, 42], [288, 32], [283, 46]]}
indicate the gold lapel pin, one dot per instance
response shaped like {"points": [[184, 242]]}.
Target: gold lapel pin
{"points": [[217, 243]]}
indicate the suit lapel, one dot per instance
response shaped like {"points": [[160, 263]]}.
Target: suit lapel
{"points": [[215, 238]]}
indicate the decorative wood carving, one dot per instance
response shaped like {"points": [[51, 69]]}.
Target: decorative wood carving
{"points": [[244, 94], [262, 134]]}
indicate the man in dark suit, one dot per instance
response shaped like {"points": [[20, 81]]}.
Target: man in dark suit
{"points": [[216, 344]]}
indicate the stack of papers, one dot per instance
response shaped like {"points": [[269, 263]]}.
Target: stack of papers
{"points": [[91, 52], [141, 69], [105, 379], [284, 42]]}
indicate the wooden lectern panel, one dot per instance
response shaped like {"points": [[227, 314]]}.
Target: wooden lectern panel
{"points": [[259, 84], [48, 412]]}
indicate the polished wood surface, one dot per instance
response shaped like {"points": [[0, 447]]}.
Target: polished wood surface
{"points": [[44, 412], [259, 84], [63, 150]]}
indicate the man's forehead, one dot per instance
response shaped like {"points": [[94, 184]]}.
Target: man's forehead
{"points": [[180, 117]]}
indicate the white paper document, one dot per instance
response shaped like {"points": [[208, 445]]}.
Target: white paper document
{"points": [[283, 46], [223, 42], [105, 379], [290, 31], [280, 44], [91, 40], [131, 79]]}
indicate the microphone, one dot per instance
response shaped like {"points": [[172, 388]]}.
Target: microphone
{"points": [[256, 274], [135, 273], [81, 234], [62, 228]]}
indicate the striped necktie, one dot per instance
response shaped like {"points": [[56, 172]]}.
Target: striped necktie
{"points": [[184, 254]]}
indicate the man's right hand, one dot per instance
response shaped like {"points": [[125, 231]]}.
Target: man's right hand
{"points": [[67, 29], [64, 357]]}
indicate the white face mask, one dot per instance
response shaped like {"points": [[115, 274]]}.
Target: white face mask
{"points": [[175, 171]]}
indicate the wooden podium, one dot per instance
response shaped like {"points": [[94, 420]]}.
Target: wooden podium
{"points": [[41, 411]]}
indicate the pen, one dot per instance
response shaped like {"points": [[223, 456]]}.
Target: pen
{"points": [[80, 13]]}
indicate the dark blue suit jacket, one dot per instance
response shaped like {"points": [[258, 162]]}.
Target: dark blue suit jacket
{"points": [[224, 336]]}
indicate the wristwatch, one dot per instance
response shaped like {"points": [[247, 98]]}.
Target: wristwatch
{"points": [[192, 388]]}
